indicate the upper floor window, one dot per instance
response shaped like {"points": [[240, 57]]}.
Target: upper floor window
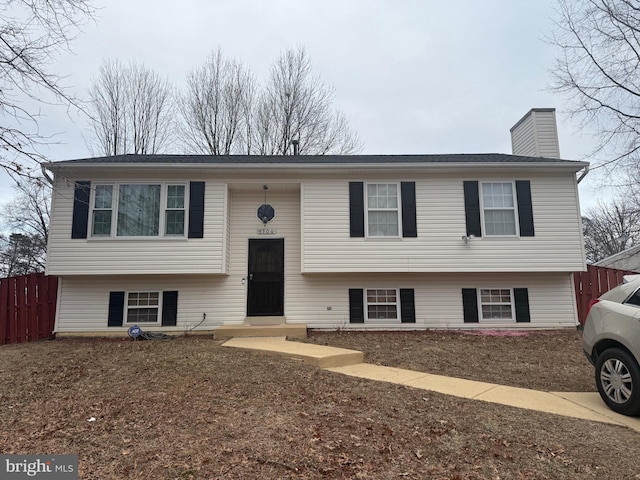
{"points": [[102, 210], [383, 214], [139, 210], [174, 214], [499, 208]]}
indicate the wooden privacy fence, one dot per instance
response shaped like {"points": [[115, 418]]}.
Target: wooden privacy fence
{"points": [[593, 283], [27, 308]]}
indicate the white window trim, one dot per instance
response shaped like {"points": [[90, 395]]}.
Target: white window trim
{"points": [[92, 209], [164, 200], [496, 320], [515, 208], [163, 211], [399, 209], [126, 307], [381, 320]]}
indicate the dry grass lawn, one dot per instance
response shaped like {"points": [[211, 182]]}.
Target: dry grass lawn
{"points": [[189, 408]]}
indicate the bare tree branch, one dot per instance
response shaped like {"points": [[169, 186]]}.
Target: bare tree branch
{"points": [[32, 33], [598, 69], [610, 228], [216, 106], [296, 105], [131, 110], [27, 218], [223, 111]]}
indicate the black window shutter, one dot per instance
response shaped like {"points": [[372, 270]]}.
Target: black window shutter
{"points": [[408, 193], [169, 309], [472, 208], [407, 305], [116, 309], [525, 209], [521, 298], [196, 209], [356, 209], [470, 305], [356, 305], [80, 218]]}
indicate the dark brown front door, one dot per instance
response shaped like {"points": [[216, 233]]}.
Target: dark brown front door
{"points": [[265, 296]]}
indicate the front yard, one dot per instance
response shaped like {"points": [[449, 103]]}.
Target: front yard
{"points": [[189, 408]]}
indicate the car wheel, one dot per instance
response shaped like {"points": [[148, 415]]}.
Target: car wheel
{"points": [[618, 381]]}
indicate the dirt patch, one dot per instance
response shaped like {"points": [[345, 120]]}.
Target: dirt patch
{"points": [[189, 408], [542, 360]]}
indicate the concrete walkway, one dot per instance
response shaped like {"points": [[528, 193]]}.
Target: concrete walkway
{"points": [[582, 405]]}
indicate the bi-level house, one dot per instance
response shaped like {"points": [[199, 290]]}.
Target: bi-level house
{"points": [[173, 242]]}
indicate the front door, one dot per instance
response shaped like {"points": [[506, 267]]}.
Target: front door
{"points": [[265, 296]]}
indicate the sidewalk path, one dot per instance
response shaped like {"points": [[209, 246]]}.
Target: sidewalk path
{"points": [[582, 405]]}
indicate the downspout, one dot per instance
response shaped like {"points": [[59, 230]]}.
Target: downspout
{"points": [[45, 174], [584, 174]]}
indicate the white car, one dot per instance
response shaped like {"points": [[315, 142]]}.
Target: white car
{"points": [[611, 341]]}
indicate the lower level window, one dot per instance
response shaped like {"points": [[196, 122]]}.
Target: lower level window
{"points": [[382, 304], [143, 307], [496, 304]]}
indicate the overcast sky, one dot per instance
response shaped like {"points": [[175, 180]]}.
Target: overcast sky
{"points": [[413, 76]]}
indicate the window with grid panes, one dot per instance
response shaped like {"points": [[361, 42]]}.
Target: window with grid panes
{"points": [[174, 213], [499, 208], [382, 304], [102, 211], [142, 210], [382, 210], [496, 304], [143, 307]]}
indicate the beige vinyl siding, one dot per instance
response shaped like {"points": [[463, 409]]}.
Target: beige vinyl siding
{"points": [[438, 299], [556, 246], [523, 138], [110, 256], [84, 300], [536, 135], [548, 145], [244, 225], [320, 301]]}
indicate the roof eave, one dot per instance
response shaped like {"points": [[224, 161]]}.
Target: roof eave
{"points": [[569, 164]]}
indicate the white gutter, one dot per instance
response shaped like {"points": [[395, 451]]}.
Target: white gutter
{"points": [[304, 166]]}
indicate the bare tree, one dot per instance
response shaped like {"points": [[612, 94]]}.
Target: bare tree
{"points": [[225, 112], [598, 69], [216, 107], [610, 228], [27, 217], [131, 110], [296, 105], [109, 105], [32, 33]]}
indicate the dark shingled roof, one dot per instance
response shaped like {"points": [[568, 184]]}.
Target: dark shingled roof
{"points": [[456, 158]]}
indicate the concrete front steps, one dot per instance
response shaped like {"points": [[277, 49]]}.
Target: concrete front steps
{"points": [[262, 327]]}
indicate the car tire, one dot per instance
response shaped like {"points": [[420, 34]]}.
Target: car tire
{"points": [[618, 381]]}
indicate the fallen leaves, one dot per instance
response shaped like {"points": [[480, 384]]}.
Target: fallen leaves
{"points": [[202, 411]]}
